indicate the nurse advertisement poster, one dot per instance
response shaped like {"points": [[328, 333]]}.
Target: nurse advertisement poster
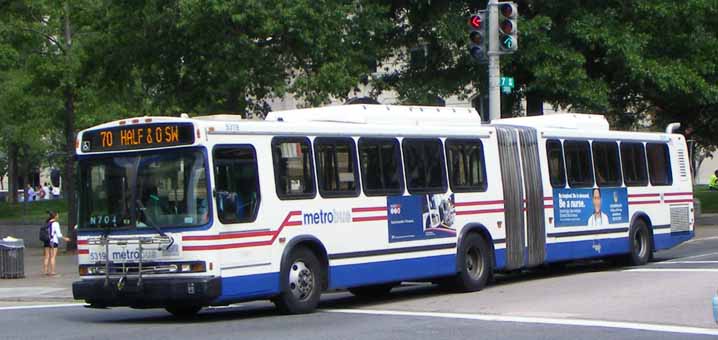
{"points": [[590, 207]]}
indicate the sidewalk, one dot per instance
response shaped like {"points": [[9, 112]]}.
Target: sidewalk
{"points": [[36, 287]]}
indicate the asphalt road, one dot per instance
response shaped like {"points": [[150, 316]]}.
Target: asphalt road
{"points": [[668, 299]]}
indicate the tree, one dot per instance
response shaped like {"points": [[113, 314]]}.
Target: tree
{"points": [[231, 56]]}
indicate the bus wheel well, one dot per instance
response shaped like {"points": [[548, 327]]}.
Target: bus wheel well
{"points": [[315, 247], [479, 229]]}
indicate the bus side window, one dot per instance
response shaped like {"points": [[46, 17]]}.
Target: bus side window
{"points": [[337, 173], [380, 160], [556, 172], [424, 162], [607, 165], [659, 164], [236, 183], [465, 160], [579, 169], [293, 168], [633, 161]]}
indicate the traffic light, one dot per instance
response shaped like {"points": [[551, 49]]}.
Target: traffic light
{"points": [[477, 36], [508, 37]]}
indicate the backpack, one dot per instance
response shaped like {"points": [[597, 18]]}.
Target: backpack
{"points": [[45, 233]]}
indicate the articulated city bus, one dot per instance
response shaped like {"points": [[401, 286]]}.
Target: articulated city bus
{"points": [[182, 213]]}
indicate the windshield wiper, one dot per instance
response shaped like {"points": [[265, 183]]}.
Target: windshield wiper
{"points": [[149, 220]]}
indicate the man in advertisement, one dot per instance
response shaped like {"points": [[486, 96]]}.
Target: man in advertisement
{"points": [[598, 218]]}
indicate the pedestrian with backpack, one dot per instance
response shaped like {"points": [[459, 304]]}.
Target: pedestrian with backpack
{"points": [[51, 240]]}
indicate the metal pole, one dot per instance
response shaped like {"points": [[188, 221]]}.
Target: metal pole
{"points": [[494, 63]]}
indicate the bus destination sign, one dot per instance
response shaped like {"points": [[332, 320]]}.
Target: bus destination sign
{"points": [[133, 137]]}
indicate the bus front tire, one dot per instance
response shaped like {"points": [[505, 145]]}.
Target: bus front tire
{"points": [[475, 264], [640, 244], [183, 311], [302, 284]]}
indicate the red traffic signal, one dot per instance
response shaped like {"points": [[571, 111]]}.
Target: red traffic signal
{"points": [[507, 27], [475, 21], [507, 10]]}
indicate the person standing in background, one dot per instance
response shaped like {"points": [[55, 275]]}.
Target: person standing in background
{"points": [[713, 181], [46, 191], [30, 193], [50, 247], [55, 192]]}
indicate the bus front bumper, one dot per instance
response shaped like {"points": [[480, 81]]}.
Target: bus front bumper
{"points": [[152, 293]]}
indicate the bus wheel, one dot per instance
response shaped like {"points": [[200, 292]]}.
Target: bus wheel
{"points": [[183, 311], [302, 282], [640, 243], [474, 258], [372, 291]]}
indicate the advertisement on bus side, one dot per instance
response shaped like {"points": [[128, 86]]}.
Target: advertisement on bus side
{"points": [[590, 207], [420, 217]]}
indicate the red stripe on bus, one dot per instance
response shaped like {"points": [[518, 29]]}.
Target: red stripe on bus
{"points": [[548, 206], [548, 198], [227, 236], [679, 201], [644, 202], [369, 218], [476, 212], [643, 195], [466, 204], [83, 251], [285, 223], [227, 246], [678, 194], [82, 242], [368, 209]]}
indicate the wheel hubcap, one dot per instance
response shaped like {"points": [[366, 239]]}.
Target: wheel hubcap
{"points": [[474, 264], [301, 280]]}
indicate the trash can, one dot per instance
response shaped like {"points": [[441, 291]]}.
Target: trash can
{"points": [[12, 262]]}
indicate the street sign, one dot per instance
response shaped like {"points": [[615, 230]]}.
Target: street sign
{"points": [[507, 84]]}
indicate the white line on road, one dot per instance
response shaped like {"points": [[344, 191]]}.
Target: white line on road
{"points": [[538, 320], [697, 256], [61, 305], [675, 270], [686, 262]]}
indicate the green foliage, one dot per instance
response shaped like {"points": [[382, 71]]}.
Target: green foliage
{"points": [[32, 212], [708, 199]]}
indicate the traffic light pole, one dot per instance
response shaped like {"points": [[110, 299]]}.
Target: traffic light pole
{"points": [[494, 61]]}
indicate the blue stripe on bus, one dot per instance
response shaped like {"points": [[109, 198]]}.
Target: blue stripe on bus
{"points": [[249, 287], [352, 275]]}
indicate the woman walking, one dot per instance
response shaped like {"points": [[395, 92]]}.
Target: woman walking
{"points": [[50, 250]]}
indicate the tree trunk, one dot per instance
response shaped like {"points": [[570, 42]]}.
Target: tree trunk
{"points": [[12, 173], [534, 105], [68, 180]]}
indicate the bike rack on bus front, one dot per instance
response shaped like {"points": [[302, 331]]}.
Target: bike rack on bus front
{"points": [[140, 241]]}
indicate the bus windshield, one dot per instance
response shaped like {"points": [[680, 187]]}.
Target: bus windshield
{"points": [[157, 189]]}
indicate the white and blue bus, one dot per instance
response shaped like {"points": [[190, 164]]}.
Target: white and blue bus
{"points": [[182, 213]]}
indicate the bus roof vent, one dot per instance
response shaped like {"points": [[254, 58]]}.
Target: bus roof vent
{"points": [[573, 121], [379, 114]]}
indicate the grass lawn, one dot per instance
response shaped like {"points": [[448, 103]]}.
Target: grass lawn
{"points": [[709, 199], [32, 212]]}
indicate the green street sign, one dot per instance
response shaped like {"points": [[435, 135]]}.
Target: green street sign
{"points": [[506, 82], [505, 89]]}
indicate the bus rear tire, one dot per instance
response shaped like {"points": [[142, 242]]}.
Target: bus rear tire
{"points": [[183, 312], [301, 282], [373, 291], [475, 264], [640, 244]]}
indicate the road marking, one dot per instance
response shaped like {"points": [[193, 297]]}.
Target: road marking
{"points": [[675, 270], [686, 262], [697, 256], [61, 305], [538, 320]]}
